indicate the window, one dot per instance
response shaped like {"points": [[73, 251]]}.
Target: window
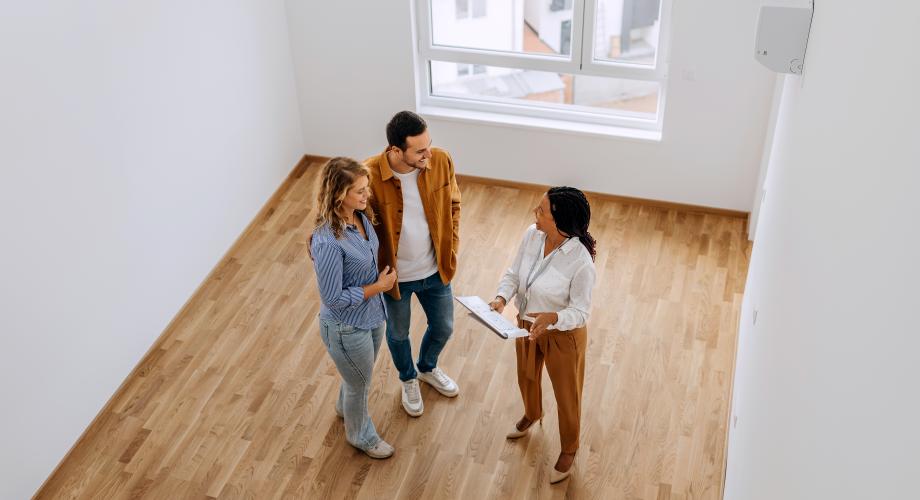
{"points": [[479, 8], [557, 5], [467, 69], [593, 62], [463, 10]]}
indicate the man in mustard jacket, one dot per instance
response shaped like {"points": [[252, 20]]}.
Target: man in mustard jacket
{"points": [[417, 200]]}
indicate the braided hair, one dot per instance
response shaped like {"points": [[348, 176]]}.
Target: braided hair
{"points": [[572, 213]]}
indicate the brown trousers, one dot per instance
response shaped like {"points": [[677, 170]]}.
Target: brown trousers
{"points": [[564, 356]]}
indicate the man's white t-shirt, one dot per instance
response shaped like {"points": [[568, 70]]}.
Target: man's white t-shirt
{"points": [[415, 257]]}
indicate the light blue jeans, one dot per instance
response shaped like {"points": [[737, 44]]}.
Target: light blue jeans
{"points": [[354, 351]]}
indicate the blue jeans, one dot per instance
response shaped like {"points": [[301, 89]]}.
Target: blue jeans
{"points": [[354, 352], [437, 301]]}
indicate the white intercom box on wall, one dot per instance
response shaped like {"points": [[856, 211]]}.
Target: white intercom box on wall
{"points": [[782, 35]]}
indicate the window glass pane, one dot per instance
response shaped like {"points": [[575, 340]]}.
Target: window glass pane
{"points": [[462, 9], [548, 90], [557, 5], [528, 26], [627, 30], [479, 8]]}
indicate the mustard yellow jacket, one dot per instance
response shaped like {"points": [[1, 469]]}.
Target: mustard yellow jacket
{"points": [[440, 197]]}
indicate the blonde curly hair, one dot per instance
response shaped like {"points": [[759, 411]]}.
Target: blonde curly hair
{"points": [[338, 175]]}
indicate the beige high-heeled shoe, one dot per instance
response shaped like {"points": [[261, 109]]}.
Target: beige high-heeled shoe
{"points": [[516, 433], [555, 476]]}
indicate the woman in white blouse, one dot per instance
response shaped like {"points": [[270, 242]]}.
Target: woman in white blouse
{"points": [[552, 277]]}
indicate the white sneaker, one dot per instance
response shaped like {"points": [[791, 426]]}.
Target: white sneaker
{"points": [[381, 450], [412, 398], [439, 380]]}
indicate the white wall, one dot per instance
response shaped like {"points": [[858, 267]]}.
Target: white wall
{"points": [[533, 10], [137, 140], [355, 70], [768, 146], [825, 391], [487, 32], [550, 27]]}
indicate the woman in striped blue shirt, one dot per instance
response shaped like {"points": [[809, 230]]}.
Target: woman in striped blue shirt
{"points": [[352, 317]]}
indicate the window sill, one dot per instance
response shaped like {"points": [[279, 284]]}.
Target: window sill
{"points": [[532, 123]]}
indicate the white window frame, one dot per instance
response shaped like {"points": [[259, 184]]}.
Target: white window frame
{"points": [[580, 62]]}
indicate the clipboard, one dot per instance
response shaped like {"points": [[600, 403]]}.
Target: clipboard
{"points": [[492, 319]]}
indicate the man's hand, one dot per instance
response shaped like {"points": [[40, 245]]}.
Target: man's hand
{"points": [[540, 322], [497, 304]]}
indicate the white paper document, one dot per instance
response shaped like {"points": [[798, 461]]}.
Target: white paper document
{"points": [[498, 323]]}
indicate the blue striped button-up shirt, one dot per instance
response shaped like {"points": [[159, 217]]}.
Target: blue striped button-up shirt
{"points": [[343, 267]]}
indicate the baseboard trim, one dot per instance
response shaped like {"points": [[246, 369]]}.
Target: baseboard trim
{"points": [[266, 211], [308, 159], [667, 205], [629, 200]]}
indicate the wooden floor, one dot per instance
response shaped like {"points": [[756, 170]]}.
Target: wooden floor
{"points": [[236, 400]]}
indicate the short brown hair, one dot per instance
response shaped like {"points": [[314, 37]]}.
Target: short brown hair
{"points": [[404, 124]]}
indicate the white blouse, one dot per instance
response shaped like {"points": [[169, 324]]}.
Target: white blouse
{"points": [[563, 287]]}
